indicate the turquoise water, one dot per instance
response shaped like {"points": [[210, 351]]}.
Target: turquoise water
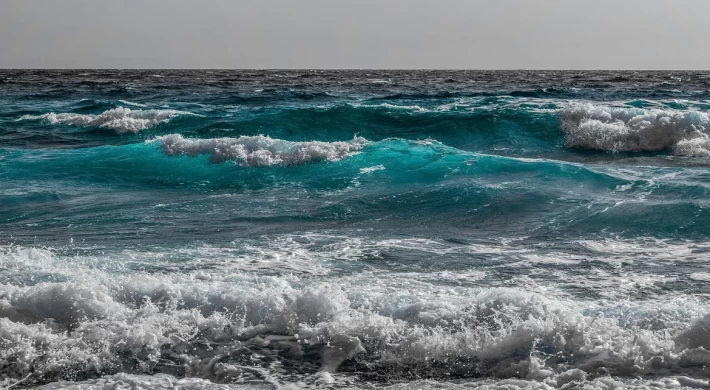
{"points": [[354, 228]]}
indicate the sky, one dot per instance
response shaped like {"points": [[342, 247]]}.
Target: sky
{"points": [[401, 34]]}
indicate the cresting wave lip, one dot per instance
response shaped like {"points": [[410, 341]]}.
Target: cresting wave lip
{"points": [[430, 156], [121, 119], [260, 150], [620, 129]]}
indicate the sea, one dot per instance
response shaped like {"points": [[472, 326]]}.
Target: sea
{"points": [[354, 229]]}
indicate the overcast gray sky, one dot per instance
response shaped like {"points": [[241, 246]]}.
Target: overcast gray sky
{"points": [[470, 34]]}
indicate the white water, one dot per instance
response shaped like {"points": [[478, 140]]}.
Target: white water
{"points": [[120, 119], [572, 379], [260, 150], [600, 127], [96, 313]]}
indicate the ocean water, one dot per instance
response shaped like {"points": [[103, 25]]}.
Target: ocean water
{"points": [[354, 229]]}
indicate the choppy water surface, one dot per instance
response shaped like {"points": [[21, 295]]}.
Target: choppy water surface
{"points": [[354, 229]]}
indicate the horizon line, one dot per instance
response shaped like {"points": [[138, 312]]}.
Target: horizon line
{"points": [[390, 69]]}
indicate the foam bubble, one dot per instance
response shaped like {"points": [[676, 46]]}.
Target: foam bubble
{"points": [[260, 150], [120, 119], [611, 128]]}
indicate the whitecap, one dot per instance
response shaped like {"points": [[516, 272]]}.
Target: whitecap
{"points": [[129, 103], [700, 276], [369, 170], [120, 119], [619, 129], [260, 150]]}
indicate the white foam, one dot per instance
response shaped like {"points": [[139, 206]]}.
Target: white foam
{"points": [[204, 318], [391, 106], [129, 103], [700, 276], [69, 303], [260, 150], [571, 379], [120, 119], [369, 170], [603, 127], [695, 147], [146, 382]]}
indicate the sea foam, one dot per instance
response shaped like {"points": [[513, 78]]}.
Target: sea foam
{"points": [[260, 150], [572, 379], [620, 129], [214, 325], [120, 119]]}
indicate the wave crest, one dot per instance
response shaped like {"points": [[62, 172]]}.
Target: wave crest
{"points": [[120, 119], [622, 129], [260, 150]]}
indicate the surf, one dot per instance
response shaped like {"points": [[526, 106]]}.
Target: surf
{"points": [[121, 119]]}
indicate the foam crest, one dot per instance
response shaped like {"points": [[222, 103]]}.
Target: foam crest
{"points": [[120, 119], [260, 151], [620, 129]]}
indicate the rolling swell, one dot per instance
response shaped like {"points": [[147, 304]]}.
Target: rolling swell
{"points": [[474, 126], [195, 159], [411, 183], [501, 125]]}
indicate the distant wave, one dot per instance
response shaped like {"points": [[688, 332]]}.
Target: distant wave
{"points": [[129, 103], [121, 119], [609, 128], [260, 150]]}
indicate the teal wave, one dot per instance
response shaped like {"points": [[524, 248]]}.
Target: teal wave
{"points": [[396, 160]]}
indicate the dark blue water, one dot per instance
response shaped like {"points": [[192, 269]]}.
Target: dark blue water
{"points": [[354, 228]]}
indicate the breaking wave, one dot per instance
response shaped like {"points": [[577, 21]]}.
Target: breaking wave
{"points": [[260, 150], [121, 119], [228, 326], [622, 129]]}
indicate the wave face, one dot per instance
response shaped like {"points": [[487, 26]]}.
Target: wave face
{"points": [[354, 229]]}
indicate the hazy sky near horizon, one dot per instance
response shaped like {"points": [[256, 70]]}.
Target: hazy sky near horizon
{"points": [[461, 34]]}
